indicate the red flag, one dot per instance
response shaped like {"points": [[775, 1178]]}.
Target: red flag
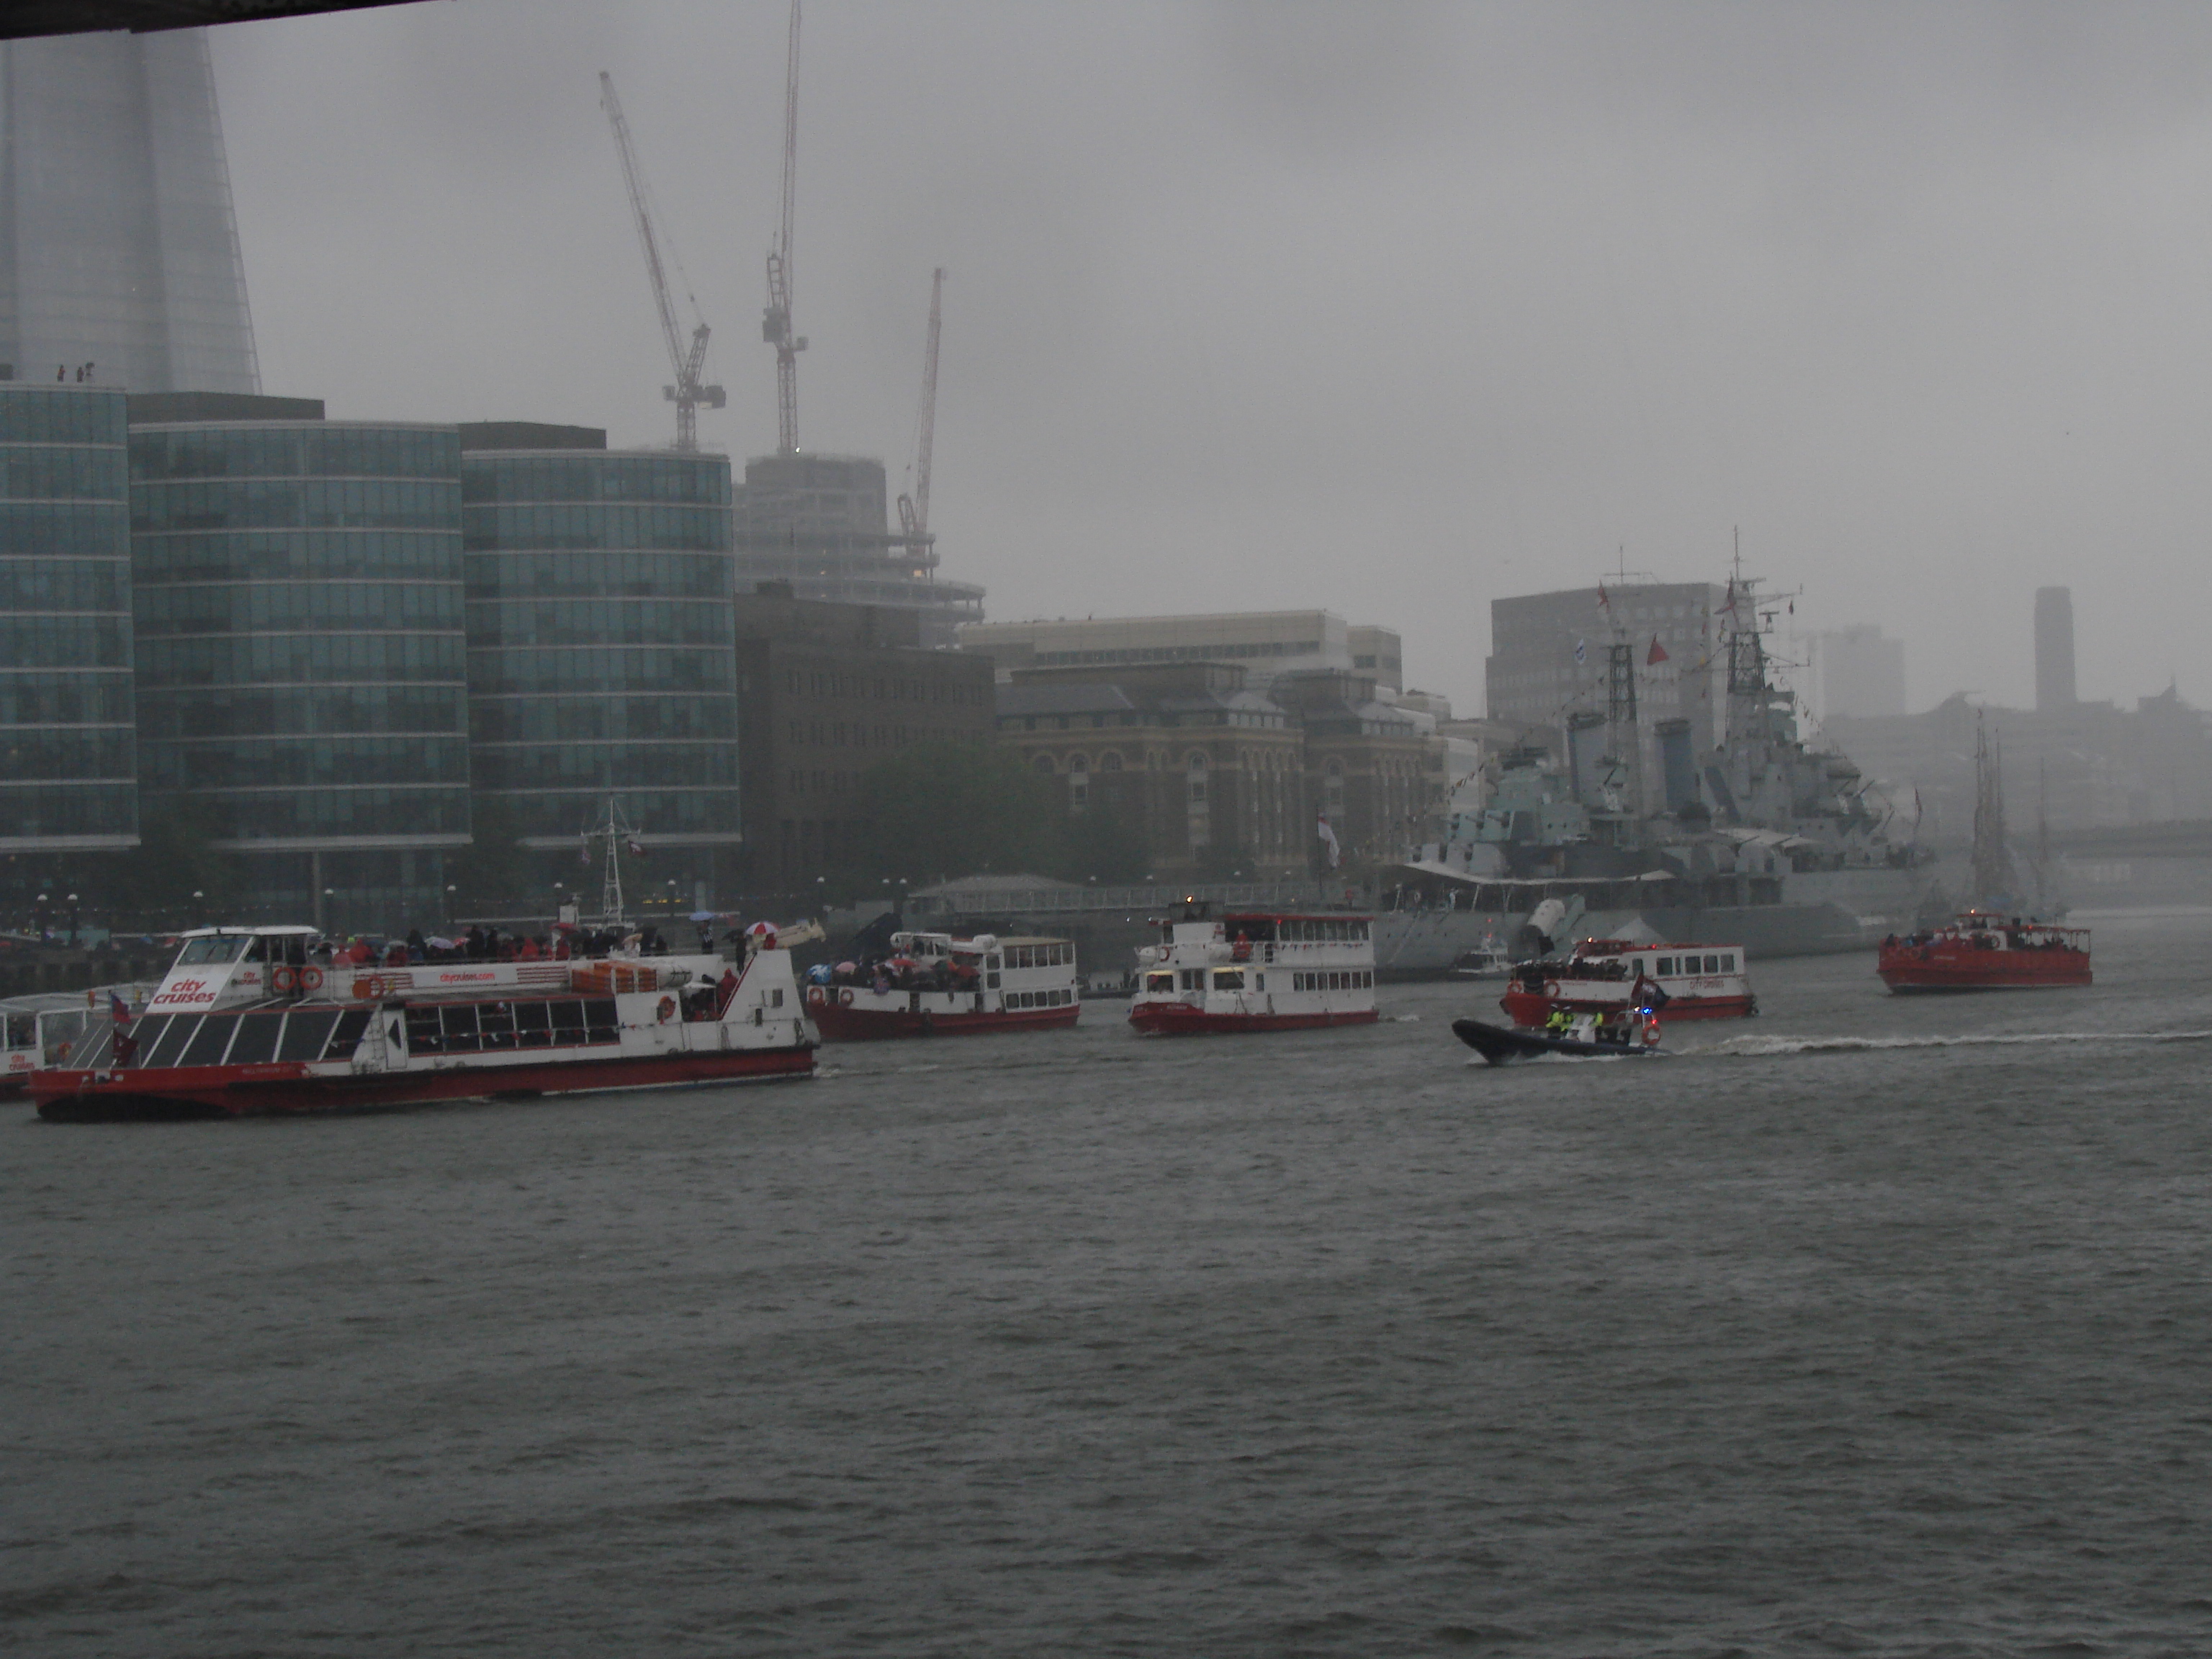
{"points": [[1656, 655], [636, 847], [1603, 603]]}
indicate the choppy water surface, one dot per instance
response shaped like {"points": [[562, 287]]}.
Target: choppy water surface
{"points": [[1874, 1325]]}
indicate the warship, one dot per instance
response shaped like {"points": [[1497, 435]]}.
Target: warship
{"points": [[1762, 840]]}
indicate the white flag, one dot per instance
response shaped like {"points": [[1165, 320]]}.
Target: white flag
{"points": [[1328, 839]]}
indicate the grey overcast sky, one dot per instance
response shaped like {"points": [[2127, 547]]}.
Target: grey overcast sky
{"points": [[1390, 309]]}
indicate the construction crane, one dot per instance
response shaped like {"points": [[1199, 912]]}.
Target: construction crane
{"points": [[687, 394], [775, 321], [914, 510]]}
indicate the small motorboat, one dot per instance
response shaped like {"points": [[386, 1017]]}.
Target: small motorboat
{"points": [[1587, 1036]]}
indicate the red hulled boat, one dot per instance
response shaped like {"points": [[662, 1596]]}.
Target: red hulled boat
{"points": [[251, 1020], [934, 985], [1979, 951], [1256, 972], [1611, 977]]}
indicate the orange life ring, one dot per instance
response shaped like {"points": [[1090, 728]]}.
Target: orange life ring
{"points": [[1552, 987], [282, 979], [378, 987], [845, 997], [311, 978], [1650, 1033], [814, 994]]}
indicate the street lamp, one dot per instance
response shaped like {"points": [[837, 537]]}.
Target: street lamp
{"points": [[451, 889], [72, 905]]}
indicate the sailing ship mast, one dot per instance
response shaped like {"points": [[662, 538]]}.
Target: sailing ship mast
{"points": [[1994, 876]]}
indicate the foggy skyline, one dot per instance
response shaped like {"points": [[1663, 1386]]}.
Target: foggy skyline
{"points": [[1391, 312]]}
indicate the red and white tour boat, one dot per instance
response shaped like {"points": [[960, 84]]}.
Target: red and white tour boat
{"points": [[933, 984], [248, 1020], [1256, 971], [1980, 951], [1613, 976]]}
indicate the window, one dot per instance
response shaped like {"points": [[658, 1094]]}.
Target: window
{"points": [[1228, 979], [1159, 982], [207, 1046], [532, 1024], [1727, 963], [306, 1034]]}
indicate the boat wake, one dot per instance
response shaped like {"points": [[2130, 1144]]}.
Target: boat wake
{"points": [[1760, 1047]]}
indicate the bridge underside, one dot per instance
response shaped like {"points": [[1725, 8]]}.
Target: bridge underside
{"points": [[28, 17]]}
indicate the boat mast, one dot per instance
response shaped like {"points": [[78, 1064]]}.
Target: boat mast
{"points": [[1992, 864]]}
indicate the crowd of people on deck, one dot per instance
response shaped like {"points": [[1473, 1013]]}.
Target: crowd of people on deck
{"points": [[2020, 933], [884, 975], [490, 945]]}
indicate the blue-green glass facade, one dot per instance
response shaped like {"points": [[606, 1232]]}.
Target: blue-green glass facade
{"points": [[301, 664], [601, 641], [68, 773]]}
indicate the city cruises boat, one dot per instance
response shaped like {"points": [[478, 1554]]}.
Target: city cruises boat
{"points": [[1980, 951], [1608, 976], [249, 1020], [1583, 1036], [1256, 971], [933, 984]]}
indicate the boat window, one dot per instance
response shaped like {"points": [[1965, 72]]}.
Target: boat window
{"points": [[210, 1041], [423, 1037], [1666, 965], [22, 1029], [495, 1020], [202, 952], [1192, 978], [1228, 979], [90, 1053], [257, 1039], [533, 1025], [1712, 964], [305, 1034], [567, 1023], [1727, 963], [458, 1024], [344, 1039], [601, 1023], [171, 1044], [1159, 981], [258, 950]]}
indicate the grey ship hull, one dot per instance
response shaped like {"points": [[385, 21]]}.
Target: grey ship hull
{"points": [[1810, 914]]}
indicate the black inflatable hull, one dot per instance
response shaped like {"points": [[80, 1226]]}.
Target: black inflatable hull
{"points": [[1499, 1043]]}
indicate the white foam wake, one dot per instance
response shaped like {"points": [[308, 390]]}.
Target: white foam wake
{"points": [[1760, 1046]]}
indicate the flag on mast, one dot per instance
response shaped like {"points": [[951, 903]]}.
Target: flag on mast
{"points": [[1656, 655], [1328, 839]]}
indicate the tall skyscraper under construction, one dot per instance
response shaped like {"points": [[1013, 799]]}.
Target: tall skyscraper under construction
{"points": [[119, 249]]}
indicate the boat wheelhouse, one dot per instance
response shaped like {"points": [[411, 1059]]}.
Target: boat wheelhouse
{"points": [[1608, 976], [257, 1020], [1981, 952], [1256, 971], [933, 984]]}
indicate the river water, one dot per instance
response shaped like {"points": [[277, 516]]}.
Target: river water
{"points": [[1870, 1326]]}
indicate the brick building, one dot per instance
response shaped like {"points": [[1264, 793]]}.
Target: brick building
{"points": [[825, 690], [1213, 775]]}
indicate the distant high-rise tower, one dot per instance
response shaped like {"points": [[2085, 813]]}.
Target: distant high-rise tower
{"points": [[2054, 648], [117, 245]]}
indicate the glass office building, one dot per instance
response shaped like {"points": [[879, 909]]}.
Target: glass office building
{"points": [[67, 772], [601, 657], [302, 669], [118, 252]]}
